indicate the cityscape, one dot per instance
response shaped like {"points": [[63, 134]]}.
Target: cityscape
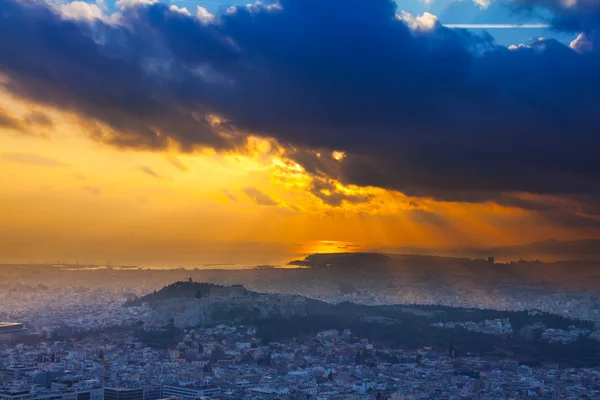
{"points": [[187, 338]]}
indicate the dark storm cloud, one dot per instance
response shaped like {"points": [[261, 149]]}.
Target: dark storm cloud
{"points": [[426, 110], [106, 73], [578, 212], [569, 220]]}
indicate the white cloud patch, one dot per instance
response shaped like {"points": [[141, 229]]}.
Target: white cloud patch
{"points": [[483, 4], [80, 10], [420, 23], [583, 43], [181, 10], [204, 15], [256, 6], [123, 4], [512, 47], [269, 7]]}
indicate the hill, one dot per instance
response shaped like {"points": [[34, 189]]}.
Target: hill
{"points": [[284, 317], [438, 273], [177, 290], [188, 304], [551, 250], [346, 260]]}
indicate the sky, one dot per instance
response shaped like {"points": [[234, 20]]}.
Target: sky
{"points": [[191, 133]]}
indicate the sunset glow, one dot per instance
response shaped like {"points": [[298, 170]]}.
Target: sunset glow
{"points": [[69, 197], [153, 169]]}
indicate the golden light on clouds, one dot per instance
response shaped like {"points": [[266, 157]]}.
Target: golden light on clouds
{"points": [[66, 195], [338, 155]]}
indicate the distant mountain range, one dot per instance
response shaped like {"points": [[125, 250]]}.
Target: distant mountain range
{"points": [[547, 250]]}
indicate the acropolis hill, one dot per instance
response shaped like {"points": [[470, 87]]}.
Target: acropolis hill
{"points": [[214, 304]]}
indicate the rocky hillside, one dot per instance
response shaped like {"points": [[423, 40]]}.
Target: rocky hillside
{"points": [[188, 304]]}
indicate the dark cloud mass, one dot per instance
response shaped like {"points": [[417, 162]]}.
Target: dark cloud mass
{"points": [[416, 107]]}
